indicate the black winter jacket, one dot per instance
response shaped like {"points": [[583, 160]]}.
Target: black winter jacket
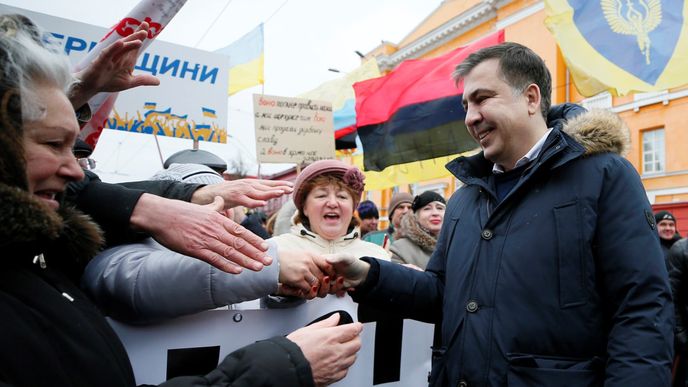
{"points": [[50, 332], [562, 283]]}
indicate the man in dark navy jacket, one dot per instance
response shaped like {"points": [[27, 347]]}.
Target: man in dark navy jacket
{"points": [[547, 271]]}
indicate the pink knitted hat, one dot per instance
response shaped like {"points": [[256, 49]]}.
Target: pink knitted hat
{"points": [[351, 176]]}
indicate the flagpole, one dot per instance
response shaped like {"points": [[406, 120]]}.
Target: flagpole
{"points": [[162, 163]]}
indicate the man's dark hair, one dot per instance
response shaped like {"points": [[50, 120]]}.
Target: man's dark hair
{"points": [[519, 66]]}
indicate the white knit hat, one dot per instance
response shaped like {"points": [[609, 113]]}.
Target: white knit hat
{"points": [[189, 173]]}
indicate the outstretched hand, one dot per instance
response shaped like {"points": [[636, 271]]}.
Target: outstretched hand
{"points": [[352, 270], [330, 349], [301, 273], [200, 232], [249, 193], [112, 70]]}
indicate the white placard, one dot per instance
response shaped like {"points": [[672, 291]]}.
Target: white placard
{"points": [[148, 346], [293, 130], [191, 101]]}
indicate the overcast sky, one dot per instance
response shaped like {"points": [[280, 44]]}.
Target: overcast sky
{"points": [[303, 38]]}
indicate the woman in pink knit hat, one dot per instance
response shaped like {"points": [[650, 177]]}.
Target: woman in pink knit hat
{"points": [[326, 193]]}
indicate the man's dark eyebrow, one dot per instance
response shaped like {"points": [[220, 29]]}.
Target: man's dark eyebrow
{"points": [[472, 95]]}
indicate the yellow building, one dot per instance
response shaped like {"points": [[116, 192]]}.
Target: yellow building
{"points": [[658, 136]]}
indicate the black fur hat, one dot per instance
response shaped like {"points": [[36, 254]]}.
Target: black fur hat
{"points": [[426, 198]]}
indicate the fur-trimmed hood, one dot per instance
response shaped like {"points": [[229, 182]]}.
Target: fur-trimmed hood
{"points": [[67, 238], [416, 233], [599, 131]]}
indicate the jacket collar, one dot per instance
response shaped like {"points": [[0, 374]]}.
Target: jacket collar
{"points": [[416, 234], [28, 228], [300, 230]]}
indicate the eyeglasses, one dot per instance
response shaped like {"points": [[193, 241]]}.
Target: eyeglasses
{"points": [[86, 163]]}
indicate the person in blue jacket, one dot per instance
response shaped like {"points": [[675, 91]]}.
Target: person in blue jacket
{"points": [[547, 271]]}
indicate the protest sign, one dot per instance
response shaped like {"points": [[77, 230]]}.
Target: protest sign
{"points": [[165, 349], [191, 101], [292, 130]]}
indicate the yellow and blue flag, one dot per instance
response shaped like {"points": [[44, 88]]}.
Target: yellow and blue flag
{"points": [[209, 113], [245, 61], [622, 46]]}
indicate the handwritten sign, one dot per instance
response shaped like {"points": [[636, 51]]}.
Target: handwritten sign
{"points": [[292, 130]]}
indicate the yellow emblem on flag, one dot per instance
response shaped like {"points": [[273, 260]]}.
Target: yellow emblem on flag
{"points": [[638, 22], [622, 46]]}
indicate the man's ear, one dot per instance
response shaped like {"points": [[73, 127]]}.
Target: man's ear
{"points": [[533, 98]]}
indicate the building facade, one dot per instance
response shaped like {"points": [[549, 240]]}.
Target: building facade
{"points": [[656, 120]]}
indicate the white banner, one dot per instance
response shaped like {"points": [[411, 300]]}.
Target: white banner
{"points": [[293, 130], [152, 348], [191, 101]]}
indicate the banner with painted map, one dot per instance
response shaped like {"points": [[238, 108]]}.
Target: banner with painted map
{"points": [[191, 101]]}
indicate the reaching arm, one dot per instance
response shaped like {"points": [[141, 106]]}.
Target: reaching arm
{"points": [[145, 282]]}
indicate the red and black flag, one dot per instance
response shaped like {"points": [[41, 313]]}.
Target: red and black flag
{"points": [[415, 112]]}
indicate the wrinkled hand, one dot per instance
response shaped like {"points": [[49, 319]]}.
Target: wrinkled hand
{"points": [[112, 70], [249, 193], [302, 273], [330, 349], [201, 232], [351, 269]]}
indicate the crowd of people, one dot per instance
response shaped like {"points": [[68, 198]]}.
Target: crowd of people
{"points": [[544, 269]]}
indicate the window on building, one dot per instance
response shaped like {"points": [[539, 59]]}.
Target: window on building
{"points": [[653, 151]]}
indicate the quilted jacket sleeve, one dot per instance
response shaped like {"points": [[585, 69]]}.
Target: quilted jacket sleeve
{"points": [[276, 362]]}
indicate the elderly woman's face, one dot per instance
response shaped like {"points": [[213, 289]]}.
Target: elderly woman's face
{"points": [[48, 143], [329, 209]]}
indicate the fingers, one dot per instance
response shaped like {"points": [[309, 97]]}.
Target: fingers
{"points": [[286, 290], [218, 204], [144, 80], [243, 245], [348, 333], [246, 255], [331, 321], [219, 262], [250, 192], [324, 287], [337, 286], [277, 183], [322, 264], [339, 259]]}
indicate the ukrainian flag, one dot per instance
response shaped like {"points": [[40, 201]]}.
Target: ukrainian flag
{"points": [[622, 46], [149, 105], [245, 61], [210, 113]]}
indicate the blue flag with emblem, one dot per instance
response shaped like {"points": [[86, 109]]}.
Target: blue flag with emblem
{"points": [[622, 46]]}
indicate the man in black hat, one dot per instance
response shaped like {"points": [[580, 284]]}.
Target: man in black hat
{"points": [[666, 228]]}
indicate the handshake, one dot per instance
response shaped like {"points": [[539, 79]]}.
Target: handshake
{"points": [[307, 274]]}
